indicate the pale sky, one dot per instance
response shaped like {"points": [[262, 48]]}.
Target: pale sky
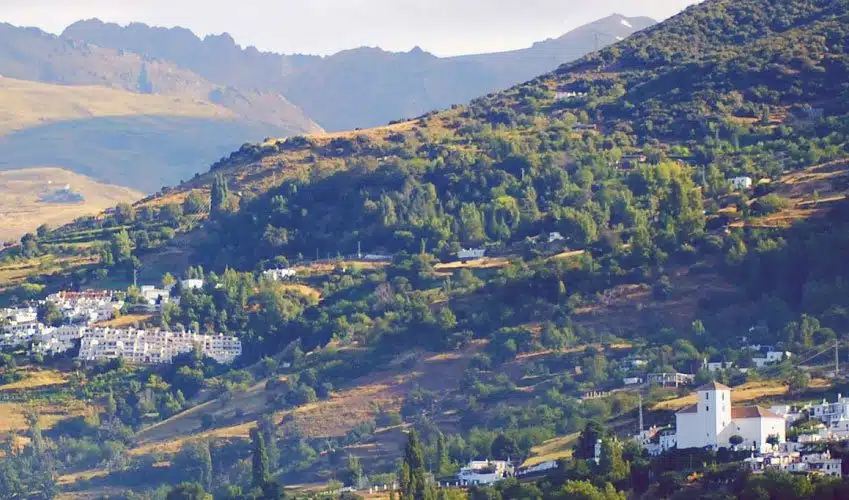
{"points": [[444, 27]]}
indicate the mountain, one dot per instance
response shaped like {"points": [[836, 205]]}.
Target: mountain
{"points": [[122, 118], [360, 87], [602, 194]]}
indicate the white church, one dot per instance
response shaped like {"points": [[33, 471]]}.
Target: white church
{"points": [[712, 421]]}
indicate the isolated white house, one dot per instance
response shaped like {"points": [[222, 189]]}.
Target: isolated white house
{"points": [[191, 284], [712, 421], [739, 183], [555, 236], [471, 253]]}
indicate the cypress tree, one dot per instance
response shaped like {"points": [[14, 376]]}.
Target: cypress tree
{"points": [[259, 462], [443, 461], [413, 474]]}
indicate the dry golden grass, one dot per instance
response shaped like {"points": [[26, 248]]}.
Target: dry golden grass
{"points": [[125, 321], [15, 273], [741, 394], [567, 255], [553, 449], [485, 263], [333, 417], [21, 210], [375, 132], [304, 290], [36, 379], [27, 104], [12, 415]]}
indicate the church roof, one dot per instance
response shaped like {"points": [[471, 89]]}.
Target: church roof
{"points": [[713, 386], [743, 412], [689, 409]]}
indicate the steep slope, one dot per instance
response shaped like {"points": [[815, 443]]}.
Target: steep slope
{"points": [[361, 87], [649, 263]]}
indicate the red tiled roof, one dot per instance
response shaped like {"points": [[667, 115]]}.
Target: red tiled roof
{"points": [[714, 386], [689, 409], [752, 412]]}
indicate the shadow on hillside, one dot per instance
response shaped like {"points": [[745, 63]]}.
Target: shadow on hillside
{"points": [[143, 152]]}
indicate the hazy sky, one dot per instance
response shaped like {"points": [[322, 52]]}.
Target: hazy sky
{"points": [[444, 27]]}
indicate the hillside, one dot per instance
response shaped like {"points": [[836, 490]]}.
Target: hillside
{"points": [[122, 118], [27, 199], [617, 246], [362, 87]]}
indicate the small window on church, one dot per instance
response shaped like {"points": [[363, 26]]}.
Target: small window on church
{"points": [[707, 396], [723, 396], [707, 408]]}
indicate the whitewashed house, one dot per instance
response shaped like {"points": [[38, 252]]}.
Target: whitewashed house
{"points": [[555, 236], [771, 358], [715, 366], [830, 413], [471, 253], [740, 183], [191, 284], [280, 274], [712, 421], [484, 472]]}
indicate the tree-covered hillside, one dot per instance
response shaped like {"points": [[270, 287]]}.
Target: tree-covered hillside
{"points": [[611, 238]]}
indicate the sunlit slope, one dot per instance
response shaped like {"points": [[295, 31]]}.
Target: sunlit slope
{"points": [[21, 208]]}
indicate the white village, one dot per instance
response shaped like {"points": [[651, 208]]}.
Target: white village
{"points": [[83, 314]]}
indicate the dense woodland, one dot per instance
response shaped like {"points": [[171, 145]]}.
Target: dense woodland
{"points": [[636, 178]]}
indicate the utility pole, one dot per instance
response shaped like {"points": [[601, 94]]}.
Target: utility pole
{"points": [[836, 358], [135, 277], [359, 250], [641, 413]]}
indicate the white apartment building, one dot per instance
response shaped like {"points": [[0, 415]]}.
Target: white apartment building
{"points": [[155, 347], [712, 421]]}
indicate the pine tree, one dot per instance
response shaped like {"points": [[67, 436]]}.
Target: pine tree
{"points": [[259, 462]]}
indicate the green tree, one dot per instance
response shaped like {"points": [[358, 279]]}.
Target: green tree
{"points": [[220, 195], [195, 204], [125, 213], [611, 464], [593, 431], [472, 229], [504, 447], [122, 247], [50, 314], [259, 459], [443, 458], [188, 491]]}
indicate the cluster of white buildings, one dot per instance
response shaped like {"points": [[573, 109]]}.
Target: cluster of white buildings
{"points": [[87, 307], [280, 274], [135, 346], [712, 422], [484, 472], [155, 347]]}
